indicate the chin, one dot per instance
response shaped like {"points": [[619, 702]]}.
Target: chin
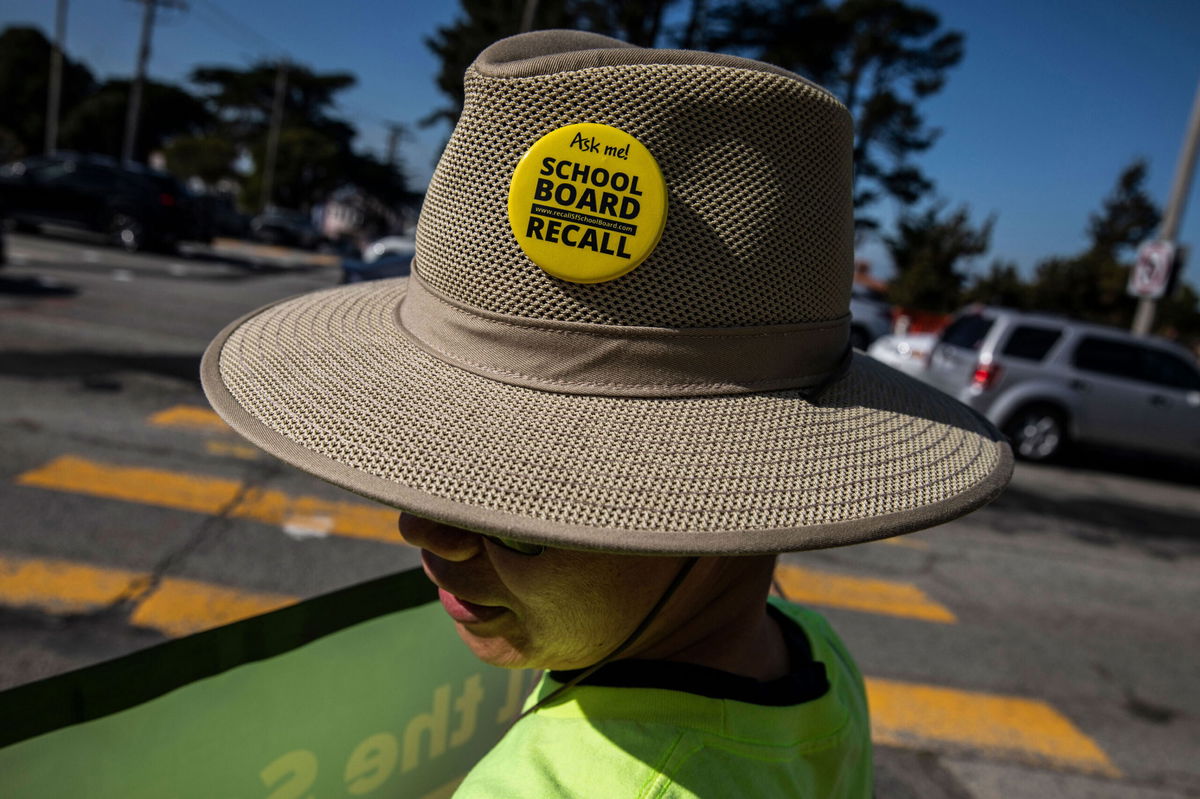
{"points": [[495, 651]]}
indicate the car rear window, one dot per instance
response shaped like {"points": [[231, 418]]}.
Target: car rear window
{"points": [[1032, 343], [967, 331]]}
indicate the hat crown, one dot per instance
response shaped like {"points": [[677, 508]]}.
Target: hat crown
{"points": [[757, 164]]}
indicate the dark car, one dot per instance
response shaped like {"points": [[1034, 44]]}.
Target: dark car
{"points": [[135, 207], [285, 228]]}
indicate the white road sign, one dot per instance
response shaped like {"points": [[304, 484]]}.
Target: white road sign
{"points": [[1152, 272]]}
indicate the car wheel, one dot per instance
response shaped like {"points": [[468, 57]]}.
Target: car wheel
{"points": [[127, 232], [1038, 433], [859, 339]]}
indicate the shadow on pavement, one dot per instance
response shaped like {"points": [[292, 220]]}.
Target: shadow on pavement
{"points": [[1100, 518], [1133, 464], [96, 369], [35, 286]]}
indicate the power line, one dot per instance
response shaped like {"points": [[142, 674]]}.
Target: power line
{"points": [[213, 13]]}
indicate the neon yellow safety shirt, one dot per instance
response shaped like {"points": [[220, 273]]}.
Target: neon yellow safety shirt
{"points": [[695, 732]]}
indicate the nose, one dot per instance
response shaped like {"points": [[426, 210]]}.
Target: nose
{"points": [[448, 543]]}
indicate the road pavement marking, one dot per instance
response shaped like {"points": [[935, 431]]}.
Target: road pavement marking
{"points": [[212, 495], [866, 594], [174, 606], [904, 541], [191, 417], [911, 715], [226, 449]]}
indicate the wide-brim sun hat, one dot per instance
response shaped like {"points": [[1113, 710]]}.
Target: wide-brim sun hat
{"points": [[625, 329]]}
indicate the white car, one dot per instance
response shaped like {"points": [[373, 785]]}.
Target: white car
{"points": [[908, 353], [871, 317]]}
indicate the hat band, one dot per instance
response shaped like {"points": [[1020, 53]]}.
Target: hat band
{"points": [[624, 361]]}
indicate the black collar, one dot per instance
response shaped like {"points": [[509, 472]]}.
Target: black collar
{"points": [[806, 679]]}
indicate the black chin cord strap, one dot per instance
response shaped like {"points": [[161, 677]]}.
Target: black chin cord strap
{"points": [[645, 623]]}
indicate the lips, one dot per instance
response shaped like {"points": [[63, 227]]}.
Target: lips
{"points": [[461, 610], [465, 612]]}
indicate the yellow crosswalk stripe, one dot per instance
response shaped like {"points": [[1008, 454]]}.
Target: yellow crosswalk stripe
{"points": [[909, 714], [192, 417], [228, 449], [869, 595], [213, 495], [174, 606]]}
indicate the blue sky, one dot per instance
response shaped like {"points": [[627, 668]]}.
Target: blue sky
{"points": [[1053, 98]]}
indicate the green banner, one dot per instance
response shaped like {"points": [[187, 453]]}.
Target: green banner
{"points": [[365, 692]]}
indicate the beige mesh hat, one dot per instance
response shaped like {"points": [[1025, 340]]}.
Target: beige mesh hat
{"points": [[626, 327]]}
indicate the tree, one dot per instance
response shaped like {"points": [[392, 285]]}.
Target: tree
{"points": [[927, 248], [479, 24], [315, 153], [97, 124], [881, 57], [1128, 216], [1001, 285], [1091, 285], [242, 99], [24, 85], [208, 157]]}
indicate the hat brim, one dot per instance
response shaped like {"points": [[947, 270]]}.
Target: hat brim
{"points": [[327, 382]]}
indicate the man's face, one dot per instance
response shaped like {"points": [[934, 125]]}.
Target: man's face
{"points": [[558, 610]]}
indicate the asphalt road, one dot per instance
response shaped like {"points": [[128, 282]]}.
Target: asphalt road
{"points": [[1046, 646]]}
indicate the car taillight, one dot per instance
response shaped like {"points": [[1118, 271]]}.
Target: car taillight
{"points": [[166, 199], [985, 375]]}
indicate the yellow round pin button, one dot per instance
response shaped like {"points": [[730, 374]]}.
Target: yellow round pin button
{"points": [[587, 203]]}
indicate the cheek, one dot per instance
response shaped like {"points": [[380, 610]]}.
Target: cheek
{"points": [[590, 608]]}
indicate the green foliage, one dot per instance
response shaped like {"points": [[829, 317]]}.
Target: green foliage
{"points": [[97, 123], [1001, 285], [1089, 286], [479, 24], [315, 152], [927, 249], [24, 85], [207, 157], [306, 168], [1178, 316], [1128, 216], [243, 98]]}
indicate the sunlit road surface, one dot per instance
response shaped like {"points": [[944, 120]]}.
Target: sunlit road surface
{"points": [[1044, 647]]}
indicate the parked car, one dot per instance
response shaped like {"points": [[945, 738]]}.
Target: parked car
{"points": [[909, 352], [390, 256], [284, 227], [1047, 381], [871, 317], [134, 206]]}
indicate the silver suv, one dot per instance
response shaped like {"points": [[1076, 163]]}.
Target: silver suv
{"points": [[1047, 381]]}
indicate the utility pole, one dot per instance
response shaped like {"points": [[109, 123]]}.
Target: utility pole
{"points": [[54, 100], [273, 135], [134, 109], [527, 15], [395, 131], [1143, 320]]}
